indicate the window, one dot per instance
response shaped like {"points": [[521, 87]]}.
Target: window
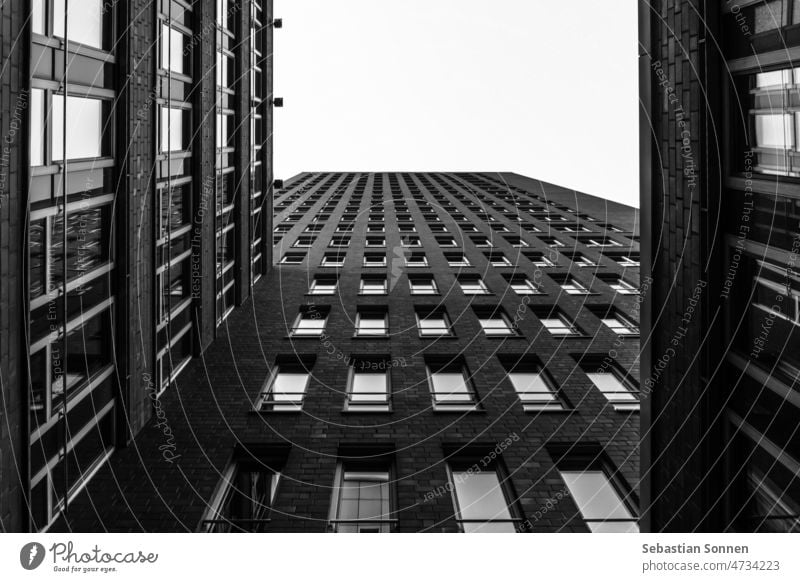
{"points": [[243, 498], [310, 322], [362, 499], [516, 242], [472, 285], [332, 260], [293, 258], [498, 259], [373, 286], [559, 325], [376, 227], [84, 127], [343, 228], [438, 228], [433, 322], [617, 390], [411, 241], [495, 322], [423, 285], [582, 260], [374, 260], [323, 285], [599, 497], [481, 502], [417, 260], [85, 22], [304, 241], [446, 241], [457, 260], [626, 260], [482, 242], [536, 390], [618, 323], [286, 387], [376, 242], [571, 228], [620, 286], [540, 260], [406, 228], [340, 241], [574, 287], [552, 242], [522, 285], [368, 387], [450, 386], [372, 323], [172, 52], [599, 242]]}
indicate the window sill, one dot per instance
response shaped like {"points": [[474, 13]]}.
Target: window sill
{"points": [[369, 337]]}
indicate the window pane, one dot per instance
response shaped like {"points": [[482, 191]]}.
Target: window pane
{"points": [[594, 495], [369, 388], [84, 127], [480, 497], [85, 21], [289, 386], [37, 136], [171, 129], [531, 384], [171, 49], [451, 387], [37, 17], [775, 131], [612, 387]]}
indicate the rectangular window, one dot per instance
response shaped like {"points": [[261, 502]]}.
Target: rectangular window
{"points": [[516, 242], [482, 242], [323, 285], [333, 260], [559, 324], [457, 260], [416, 260], [497, 259], [172, 130], [37, 132], [572, 286], [172, 52], [620, 286], [85, 127], [552, 242], [522, 285], [582, 260], [446, 241], [293, 258], [372, 322], [362, 499], [340, 241], [619, 324], [536, 389], [423, 286], [481, 502], [373, 286], [494, 322], [376, 242], [540, 260], [600, 498], [286, 387], [304, 242], [243, 499], [376, 227], [615, 387], [85, 21], [368, 387], [450, 386], [597, 242], [374, 260], [471, 285], [310, 322], [433, 322]]}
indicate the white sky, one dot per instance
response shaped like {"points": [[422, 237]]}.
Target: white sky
{"points": [[545, 88]]}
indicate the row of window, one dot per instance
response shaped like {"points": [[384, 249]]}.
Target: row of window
{"points": [[470, 284], [459, 259], [364, 495], [449, 382]]}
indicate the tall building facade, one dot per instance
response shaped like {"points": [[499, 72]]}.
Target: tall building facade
{"points": [[721, 449], [432, 352], [136, 197]]}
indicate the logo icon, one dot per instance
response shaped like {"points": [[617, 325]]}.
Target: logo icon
{"points": [[31, 555]]}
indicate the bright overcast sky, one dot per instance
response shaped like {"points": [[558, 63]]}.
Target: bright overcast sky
{"points": [[545, 88]]}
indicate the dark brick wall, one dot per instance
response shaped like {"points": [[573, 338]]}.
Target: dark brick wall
{"points": [[211, 409], [681, 76], [14, 96]]}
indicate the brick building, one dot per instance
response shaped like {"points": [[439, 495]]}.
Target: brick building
{"points": [[135, 212], [720, 447], [433, 352]]}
